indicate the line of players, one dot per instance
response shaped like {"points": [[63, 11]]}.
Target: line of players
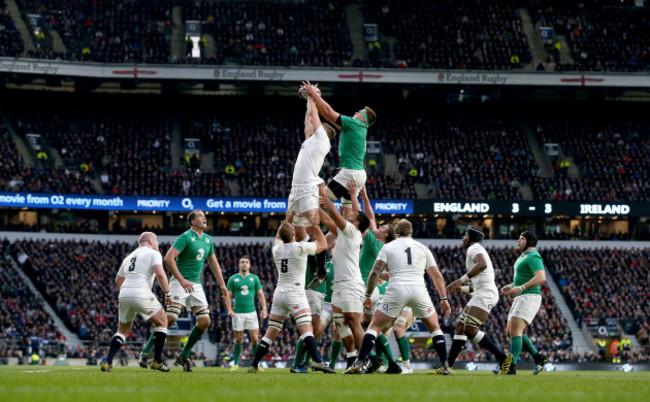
{"points": [[356, 244]]}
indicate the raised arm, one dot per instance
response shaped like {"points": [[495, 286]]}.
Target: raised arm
{"points": [[321, 243], [352, 187], [323, 107], [367, 209], [312, 121], [334, 213]]}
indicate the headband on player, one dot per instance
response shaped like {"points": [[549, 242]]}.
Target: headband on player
{"points": [[365, 117], [474, 235]]}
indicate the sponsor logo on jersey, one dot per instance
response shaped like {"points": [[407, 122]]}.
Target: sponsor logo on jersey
{"points": [[236, 279], [296, 307], [207, 241], [193, 238], [251, 279]]}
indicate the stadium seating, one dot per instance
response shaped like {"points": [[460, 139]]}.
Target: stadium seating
{"points": [[113, 31], [606, 35], [268, 33], [11, 44], [449, 34]]}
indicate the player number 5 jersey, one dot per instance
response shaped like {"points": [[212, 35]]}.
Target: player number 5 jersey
{"points": [[291, 262], [137, 268], [406, 259]]}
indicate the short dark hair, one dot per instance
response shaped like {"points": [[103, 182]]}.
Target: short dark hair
{"points": [[364, 221], [243, 257], [192, 215], [390, 233]]}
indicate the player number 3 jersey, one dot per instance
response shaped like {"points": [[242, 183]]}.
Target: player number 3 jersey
{"points": [[137, 268]]}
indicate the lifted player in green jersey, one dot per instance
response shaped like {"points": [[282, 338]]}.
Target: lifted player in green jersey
{"points": [[525, 289], [242, 288], [185, 259], [352, 147]]}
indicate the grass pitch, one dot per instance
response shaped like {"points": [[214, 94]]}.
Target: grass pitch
{"points": [[38, 383]]}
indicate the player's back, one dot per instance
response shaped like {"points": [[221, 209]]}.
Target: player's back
{"points": [[406, 260], [137, 268], [291, 262]]}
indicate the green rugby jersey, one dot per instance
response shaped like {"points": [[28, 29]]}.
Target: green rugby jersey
{"points": [[193, 252], [525, 267], [352, 143], [328, 282], [244, 289], [382, 288], [369, 250]]}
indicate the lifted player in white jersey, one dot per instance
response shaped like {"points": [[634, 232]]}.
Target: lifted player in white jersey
{"points": [[289, 297], [406, 261], [485, 296], [303, 203], [134, 280]]}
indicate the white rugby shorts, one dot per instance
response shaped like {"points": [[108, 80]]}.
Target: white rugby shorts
{"points": [[484, 300], [525, 306], [288, 300], [245, 321], [303, 199], [414, 296], [348, 298], [344, 176], [189, 300], [315, 300], [135, 301]]}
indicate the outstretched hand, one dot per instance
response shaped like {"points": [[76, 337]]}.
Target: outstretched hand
{"points": [[310, 88]]}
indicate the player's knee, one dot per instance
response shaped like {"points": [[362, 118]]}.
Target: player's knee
{"points": [[239, 337], [276, 324], [343, 329], [203, 318], [301, 222], [314, 219], [173, 312], [303, 319]]}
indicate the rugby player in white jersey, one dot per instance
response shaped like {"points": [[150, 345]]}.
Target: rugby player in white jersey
{"points": [[347, 288], [303, 203], [485, 296], [289, 298], [134, 280], [406, 261]]}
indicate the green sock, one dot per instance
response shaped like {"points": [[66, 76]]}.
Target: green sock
{"points": [[307, 359], [404, 348], [148, 346], [237, 353], [300, 352], [195, 335], [528, 345], [336, 352], [384, 346], [515, 348], [380, 353], [255, 346]]}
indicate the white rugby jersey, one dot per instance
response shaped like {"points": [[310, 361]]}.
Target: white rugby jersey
{"points": [[291, 261], [310, 159], [406, 260], [137, 268], [345, 256], [485, 280]]}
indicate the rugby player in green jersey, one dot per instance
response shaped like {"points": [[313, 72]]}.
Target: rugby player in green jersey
{"points": [[185, 259], [527, 293], [242, 288]]}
